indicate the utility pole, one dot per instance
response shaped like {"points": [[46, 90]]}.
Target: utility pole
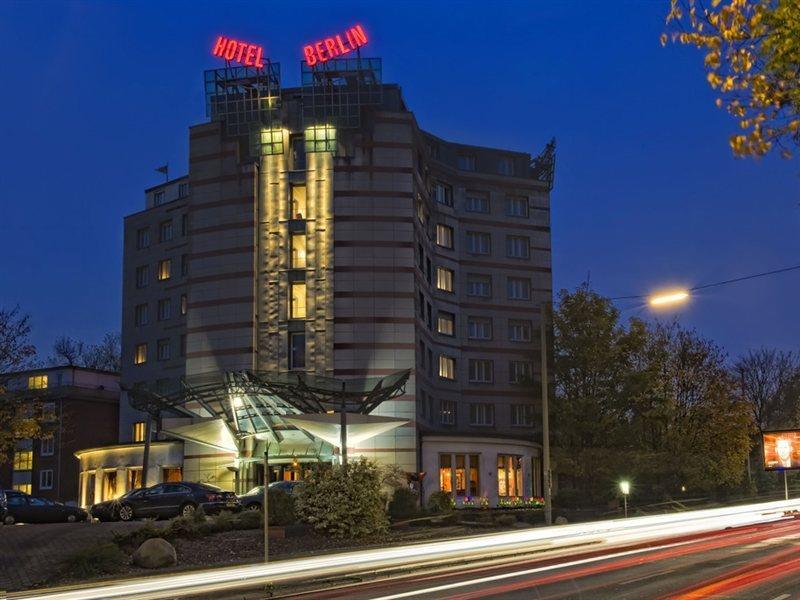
{"points": [[148, 431], [343, 427], [266, 505], [548, 500]]}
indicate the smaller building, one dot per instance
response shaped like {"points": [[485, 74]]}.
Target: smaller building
{"points": [[80, 409]]}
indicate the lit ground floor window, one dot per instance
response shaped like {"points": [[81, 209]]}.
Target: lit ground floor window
{"points": [[509, 475]]}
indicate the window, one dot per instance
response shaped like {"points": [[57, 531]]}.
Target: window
{"points": [[184, 225], [142, 276], [164, 269], [183, 190], [47, 445], [297, 350], [518, 246], [444, 236], [140, 315], [522, 415], [298, 202], [163, 349], [298, 147], [479, 328], [422, 211], [171, 474], [477, 202], [505, 165], [474, 474], [445, 323], [297, 308], [46, 479], [519, 331], [520, 371], [184, 265], [320, 138], [139, 429], [481, 370], [479, 242], [446, 473], [444, 279], [23, 460], [466, 162], [428, 270], [443, 194], [183, 345], [447, 367], [165, 231], [184, 304], [164, 309], [479, 285], [461, 475], [447, 412], [49, 411], [298, 250], [517, 206], [509, 475], [25, 488], [37, 382], [140, 354], [134, 478], [519, 288], [143, 238], [481, 414], [109, 485], [158, 198]]}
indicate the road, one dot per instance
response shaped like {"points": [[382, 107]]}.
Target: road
{"points": [[753, 562]]}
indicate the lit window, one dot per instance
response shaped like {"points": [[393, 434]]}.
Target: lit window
{"points": [[518, 246], [171, 474], [183, 190], [142, 276], [517, 206], [25, 488], [519, 288], [477, 202], [165, 231], [140, 354], [445, 323], [509, 476], [444, 279], [297, 308], [164, 309], [143, 238], [445, 473], [46, 479], [479, 242], [37, 382], [158, 198], [270, 141], [163, 349], [479, 328], [519, 331], [461, 475], [481, 414], [184, 304], [298, 202], [479, 285], [297, 350], [320, 139], [138, 431], [47, 445], [164, 269], [444, 236], [480, 370], [505, 165], [23, 460], [466, 162], [443, 194], [520, 371], [109, 485], [298, 250], [447, 367], [140, 315], [134, 478], [522, 415]]}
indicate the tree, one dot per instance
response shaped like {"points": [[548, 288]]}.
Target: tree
{"points": [[15, 347], [75, 353], [753, 60], [67, 352], [770, 382]]}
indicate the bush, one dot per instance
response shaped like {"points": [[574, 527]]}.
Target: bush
{"points": [[403, 504], [184, 527], [250, 519], [440, 502], [281, 508], [343, 502], [101, 559], [133, 539]]}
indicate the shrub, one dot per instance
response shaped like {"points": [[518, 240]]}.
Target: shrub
{"points": [[250, 519], [440, 502], [403, 504], [133, 539], [184, 527], [101, 559], [281, 508], [343, 502]]}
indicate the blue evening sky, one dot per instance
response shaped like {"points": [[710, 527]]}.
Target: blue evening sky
{"points": [[97, 94]]}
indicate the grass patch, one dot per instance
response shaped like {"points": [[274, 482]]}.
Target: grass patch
{"points": [[102, 559]]}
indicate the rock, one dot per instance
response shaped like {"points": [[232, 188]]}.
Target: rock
{"points": [[154, 554], [561, 521]]}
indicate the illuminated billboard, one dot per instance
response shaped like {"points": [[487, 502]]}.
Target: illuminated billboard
{"points": [[332, 47], [781, 450]]}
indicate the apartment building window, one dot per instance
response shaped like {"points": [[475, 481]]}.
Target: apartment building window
{"points": [[184, 265], [297, 350], [183, 190], [422, 211], [479, 328], [164, 309], [158, 198], [421, 257], [49, 412], [445, 279], [445, 323], [134, 478], [447, 367], [37, 382], [479, 242], [518, 246], [165, 231], [140, 354], [509, 475], [443, 194], [164, 269], [25, 488], [481, 370], [444, 236], [519, 330], [517, 206], [140, 315], [421, 306], [519, 288], [466, 162], [142, 276], [183, 345], [163, 349], [184, 304], [298, 243], [479, 285], [429, 319], [298, 201], [46, 479], [143, 238], [522, 415], [23, 460], [298, 148], [505, 165], [184, 225], [428, 270], [447, 412], [481, 414], [520, 371], [138, 432], [47, 445], [477, 202], [297, 308], [446, 473]]}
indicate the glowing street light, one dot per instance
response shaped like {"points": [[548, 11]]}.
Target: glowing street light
{"points": [[675, 297], [625, 488]]}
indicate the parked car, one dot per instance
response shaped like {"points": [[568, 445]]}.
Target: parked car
{"points": [[254, 499], [166, 500], [3, 505], [24, 508]]}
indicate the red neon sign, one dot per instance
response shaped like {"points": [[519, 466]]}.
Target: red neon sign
{"points": [[331, 47], [249, 55]]}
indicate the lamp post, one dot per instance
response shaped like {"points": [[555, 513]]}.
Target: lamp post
{"points": [[548, 500], [266, 504], [668, 298], [625, 488]]}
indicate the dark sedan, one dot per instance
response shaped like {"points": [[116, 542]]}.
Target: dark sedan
{"points": [[23, 508], [166, 500], [253, 499]]}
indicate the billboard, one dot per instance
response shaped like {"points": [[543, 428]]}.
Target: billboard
{"points": [[781, 450]]}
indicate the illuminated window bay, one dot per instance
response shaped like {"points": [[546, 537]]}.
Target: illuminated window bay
{"points": [[320, 138]]}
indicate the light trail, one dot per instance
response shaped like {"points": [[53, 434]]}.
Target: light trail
{"points": [[599, 533]]}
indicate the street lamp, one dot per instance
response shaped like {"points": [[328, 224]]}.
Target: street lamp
{"points": [[625, 488], [665, 299]]}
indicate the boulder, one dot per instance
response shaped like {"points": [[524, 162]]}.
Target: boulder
{"points": [[561, 521], [154, 554]]}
